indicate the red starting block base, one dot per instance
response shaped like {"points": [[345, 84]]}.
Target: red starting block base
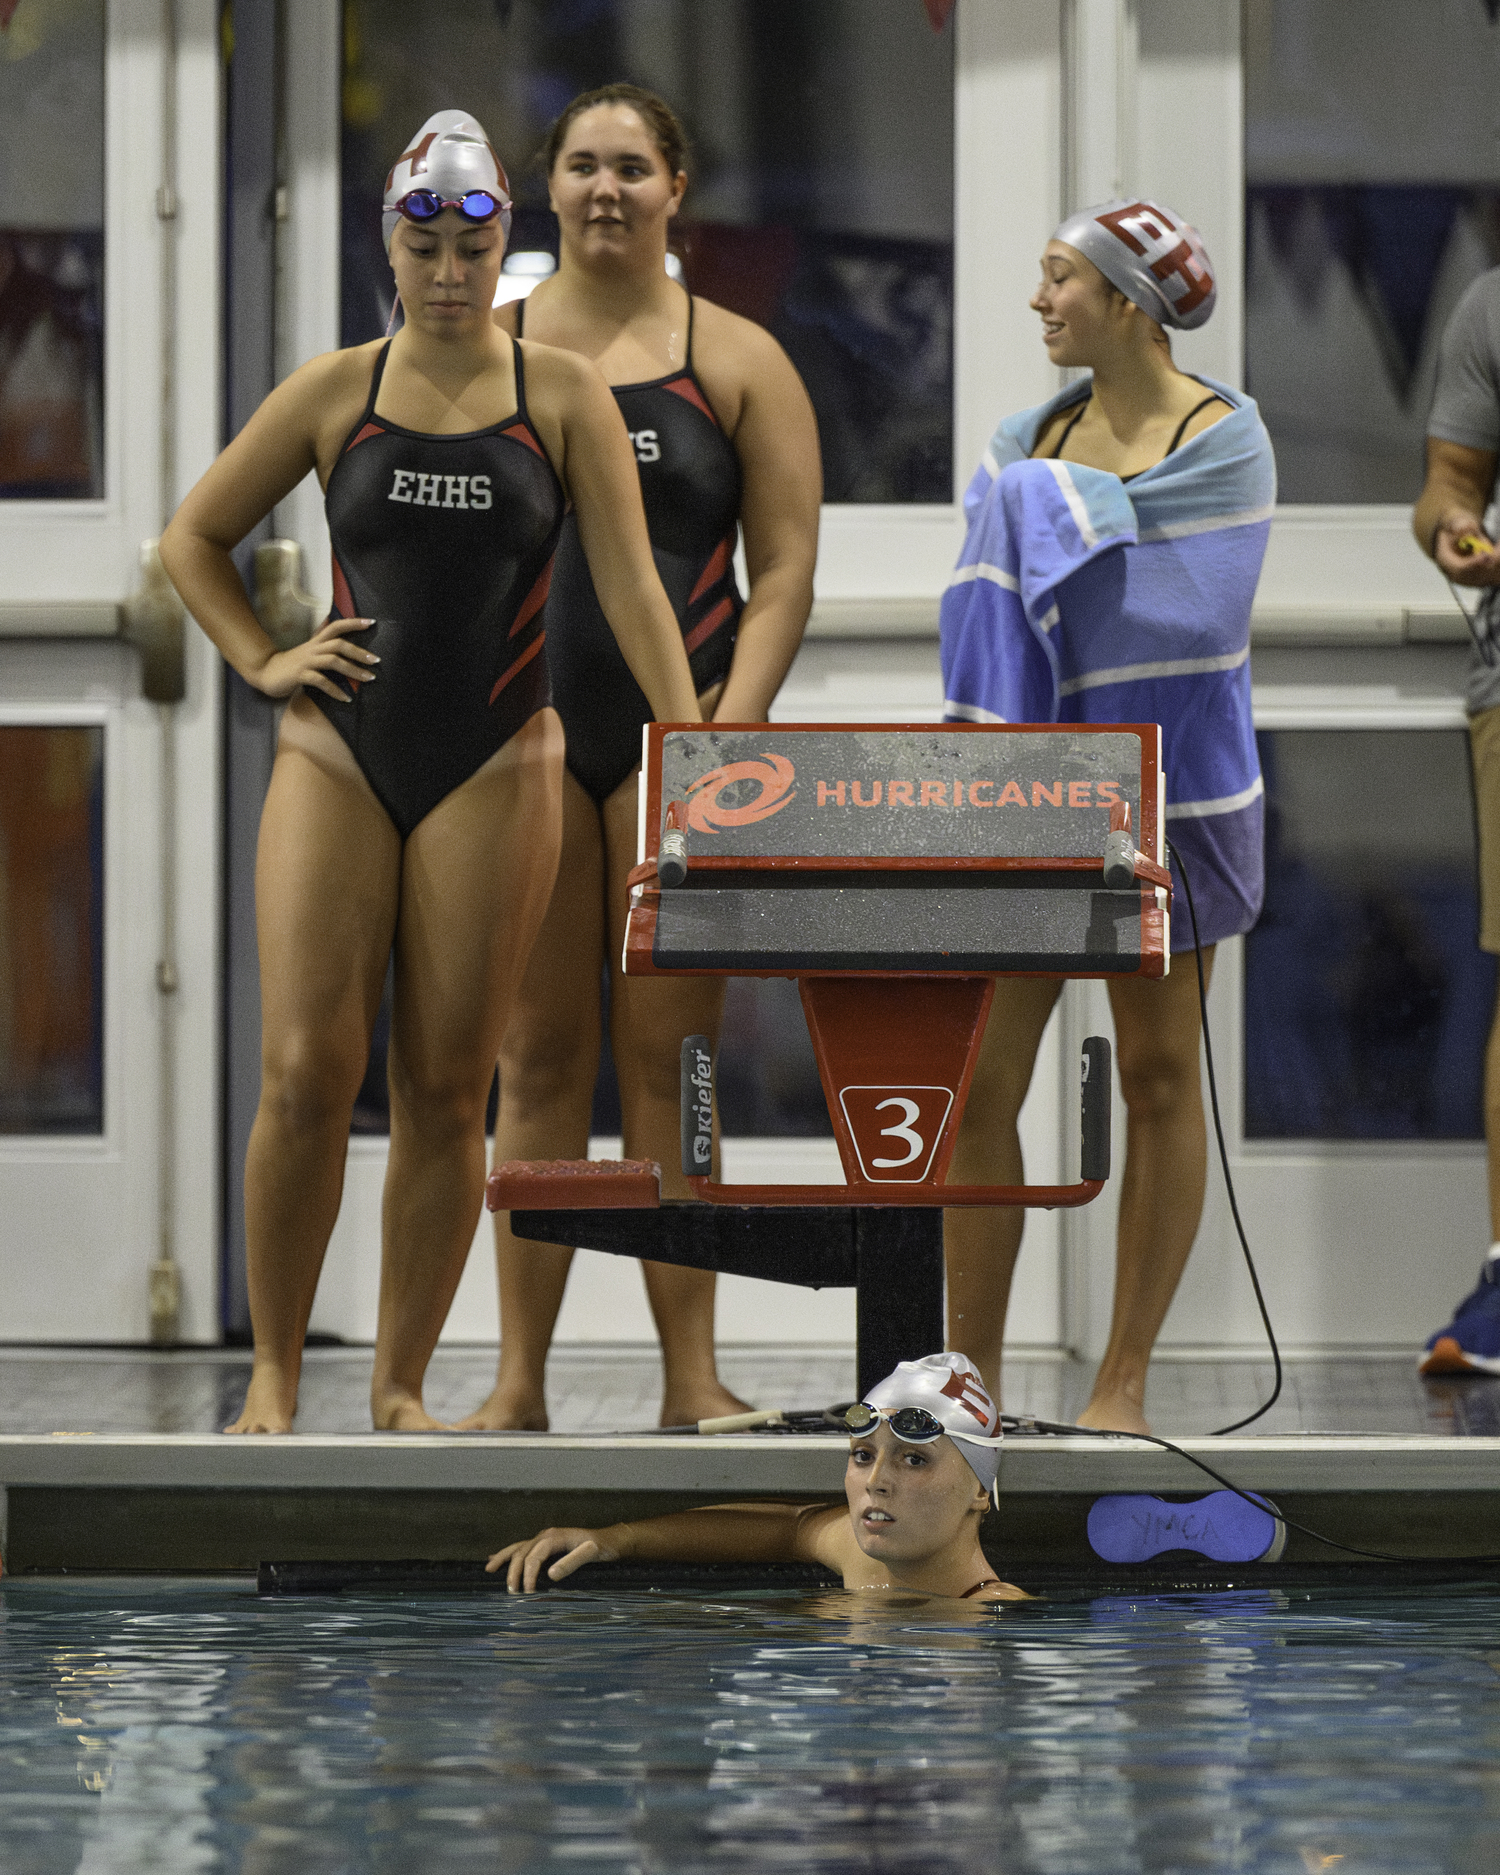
{"points": [[573, 1184]]}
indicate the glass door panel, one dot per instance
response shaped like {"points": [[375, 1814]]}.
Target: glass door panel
{"points": [[1372, 197], [821, 199], [52, 253], [52, 929], [1367, 998]]}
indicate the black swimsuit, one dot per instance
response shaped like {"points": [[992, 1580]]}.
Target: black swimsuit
{"points": [[1073, 421], [447, 543], [690, 484]]}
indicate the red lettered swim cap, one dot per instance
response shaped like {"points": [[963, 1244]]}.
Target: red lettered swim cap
{"points": [[1152, 255]]}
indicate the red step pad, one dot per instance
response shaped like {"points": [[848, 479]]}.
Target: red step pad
{"points": [[573, 1185]]}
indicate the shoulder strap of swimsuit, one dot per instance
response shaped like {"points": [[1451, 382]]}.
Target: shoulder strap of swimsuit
{"points": [[1072, 425], [369, 410], [1212, 398], [375, 376], [691, 309], [985, 1582], [520, 315], [515, 352]]}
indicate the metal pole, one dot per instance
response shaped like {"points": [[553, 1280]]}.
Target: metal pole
{"points": [[166, 1275], [899, 1287]]}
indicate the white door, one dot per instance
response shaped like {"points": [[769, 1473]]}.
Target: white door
{"points": [[1348, 1027], [109, 204]]}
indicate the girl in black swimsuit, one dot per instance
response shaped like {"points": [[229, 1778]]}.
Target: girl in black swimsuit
{"points": [[724, 442], [414, 806], [446, 544], [691, 486]]}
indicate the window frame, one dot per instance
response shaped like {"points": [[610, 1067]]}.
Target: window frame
{"points": [[85, 553]]}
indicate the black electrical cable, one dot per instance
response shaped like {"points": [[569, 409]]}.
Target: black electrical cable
{"points": [[1481, 621], [1026, 1423], [1234, 1207]]}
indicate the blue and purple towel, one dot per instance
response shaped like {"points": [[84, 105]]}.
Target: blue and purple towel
{"points": [[1079, 600]]}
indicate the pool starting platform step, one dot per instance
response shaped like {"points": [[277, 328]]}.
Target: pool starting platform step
{"points": [[206, 1502]]}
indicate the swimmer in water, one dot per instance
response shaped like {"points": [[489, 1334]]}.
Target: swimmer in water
{"points": [[923, 1457]]}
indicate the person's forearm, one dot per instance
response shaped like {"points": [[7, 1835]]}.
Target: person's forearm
{"points": [[1454, 497], [1441, 505], [651, 644], [210, 587], [769, 635], [722, 1533]]}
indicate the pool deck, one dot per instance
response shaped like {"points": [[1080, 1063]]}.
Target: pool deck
{"points": [[111, 1458]]}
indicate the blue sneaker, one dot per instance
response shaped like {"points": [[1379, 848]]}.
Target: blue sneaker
{"points": [[1221, 1526], [1470, 1344]]}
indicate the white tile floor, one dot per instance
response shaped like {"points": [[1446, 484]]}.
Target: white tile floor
{"points": [[611, 1389]]}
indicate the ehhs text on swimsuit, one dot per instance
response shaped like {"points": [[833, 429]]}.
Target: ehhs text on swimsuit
{"points": [[440, 491]]}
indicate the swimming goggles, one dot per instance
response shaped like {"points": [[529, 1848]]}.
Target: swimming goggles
{"points": [[913, 1424], [424, 204]]}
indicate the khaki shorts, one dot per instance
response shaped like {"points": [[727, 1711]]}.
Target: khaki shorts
{"points": [[1484, 743]]}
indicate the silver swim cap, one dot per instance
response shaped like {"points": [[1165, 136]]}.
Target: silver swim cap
{"points": [[948, 1386], [1153, 257], [451, 156]]}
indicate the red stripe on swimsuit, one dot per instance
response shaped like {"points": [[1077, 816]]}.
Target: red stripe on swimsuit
{"points": [[521, 433], [705, 629], [533, 602], [717, 567], [521, 662], [688, 390]]}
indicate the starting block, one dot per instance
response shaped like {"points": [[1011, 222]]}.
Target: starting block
{"points": [[894, 872]]}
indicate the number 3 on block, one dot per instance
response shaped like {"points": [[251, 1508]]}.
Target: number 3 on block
{"points": [[903, 1129], [880, 1118]]}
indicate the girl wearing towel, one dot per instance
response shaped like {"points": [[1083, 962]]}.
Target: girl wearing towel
{"points": [[1116, 534]]}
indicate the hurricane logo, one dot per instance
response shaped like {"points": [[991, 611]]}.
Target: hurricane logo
{"points": [[773, 776]]}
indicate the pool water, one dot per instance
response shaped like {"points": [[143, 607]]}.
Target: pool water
{"points": [[166, 1726]]}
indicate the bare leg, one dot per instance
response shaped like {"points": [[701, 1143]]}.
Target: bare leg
{"points": [[326, 877], [548, 1063], [1158, 1033], [476, 876], [648, 1019], [981, 1247]]}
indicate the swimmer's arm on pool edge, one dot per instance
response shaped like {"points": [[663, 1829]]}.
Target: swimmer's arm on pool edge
{"points": [[759, 1532]]}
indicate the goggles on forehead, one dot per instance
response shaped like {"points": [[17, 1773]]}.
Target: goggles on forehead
{"points": [[421, 205], [913, 1424]]}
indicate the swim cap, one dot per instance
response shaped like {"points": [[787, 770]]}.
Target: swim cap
{"points": [[1151, 255], [450, 155], [949, 1387]]}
